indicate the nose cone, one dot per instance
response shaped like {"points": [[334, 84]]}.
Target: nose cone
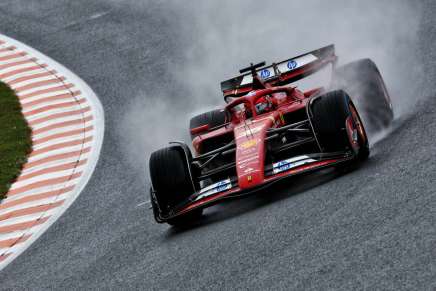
{"points": [[250, 151]]}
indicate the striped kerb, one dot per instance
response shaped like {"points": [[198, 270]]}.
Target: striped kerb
{"points": [[62, 133]]}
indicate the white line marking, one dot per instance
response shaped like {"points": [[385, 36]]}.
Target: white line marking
{"points": [[24, 74], [55, 152], [47, 112], [43, 177], [36, 202], [28, 217], [43, 102], [143, 203], [57, 100], [33, 81], [54, 164], [7, 53], [18, 67], [63, 139], [10, 235], [62, 119], [40, 88], [42, 190], [40, 96], [14, 60]]}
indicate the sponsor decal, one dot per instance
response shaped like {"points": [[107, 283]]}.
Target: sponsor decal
{"points": [[249, 144], [220, 186], [282, 67], [247, 160], [292, 64], [249, 132], [265, 73], [291, 163], [247, 151], [283, 166], [248, 170]]}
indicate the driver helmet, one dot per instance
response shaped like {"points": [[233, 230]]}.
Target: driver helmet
{"points": [[263, 105]]}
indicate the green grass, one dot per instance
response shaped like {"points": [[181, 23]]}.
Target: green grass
{"points": [[15, 139]]}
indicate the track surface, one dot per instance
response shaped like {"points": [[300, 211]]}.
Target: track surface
{"points": [[372, 228]]}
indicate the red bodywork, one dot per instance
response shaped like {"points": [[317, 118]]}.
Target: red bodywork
{"points": [[251, 131]]}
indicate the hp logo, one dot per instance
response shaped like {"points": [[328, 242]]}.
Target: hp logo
{"points": [[292, 64], [264, 74]]}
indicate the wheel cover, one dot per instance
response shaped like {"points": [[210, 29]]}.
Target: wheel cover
{"points": [[358, 124], [355, 130]]}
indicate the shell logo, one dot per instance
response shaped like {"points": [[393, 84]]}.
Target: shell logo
{"points": [[248, 144]]}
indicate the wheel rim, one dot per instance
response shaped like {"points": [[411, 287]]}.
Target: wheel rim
{"points": [[358, 125]]}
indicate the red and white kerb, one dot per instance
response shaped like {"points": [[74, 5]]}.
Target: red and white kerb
{"points": [[63, 131]]}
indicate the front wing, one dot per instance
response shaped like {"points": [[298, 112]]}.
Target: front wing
{"points": [[228, 188]]}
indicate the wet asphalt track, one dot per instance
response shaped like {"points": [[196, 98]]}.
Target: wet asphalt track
{"points": [[373, 228]]}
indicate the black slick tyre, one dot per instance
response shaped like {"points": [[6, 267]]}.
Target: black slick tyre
{"points": [[329, 115], [171, 180]]}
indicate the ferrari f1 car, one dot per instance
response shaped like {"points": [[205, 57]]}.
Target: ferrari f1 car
{"points": [[269, 130]]}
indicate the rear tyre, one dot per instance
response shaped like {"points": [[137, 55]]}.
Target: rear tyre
{"points": [[171, 180], [363, 81], [330, 114], [211, 118]]}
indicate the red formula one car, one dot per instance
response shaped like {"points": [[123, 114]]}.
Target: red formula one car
{"points": [[269, 130]]}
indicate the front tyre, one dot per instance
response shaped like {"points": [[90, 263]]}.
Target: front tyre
{"points": [[172, 183], [337, 124]]}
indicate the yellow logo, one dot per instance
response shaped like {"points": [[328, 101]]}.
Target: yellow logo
{"points": [[248, 144]]}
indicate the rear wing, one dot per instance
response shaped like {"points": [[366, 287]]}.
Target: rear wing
{"points": [[282, 73]]}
